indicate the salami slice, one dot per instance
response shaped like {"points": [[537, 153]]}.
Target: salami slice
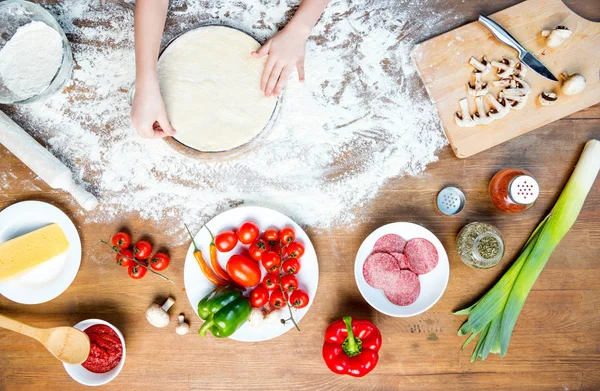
{"points": [[380, 270], [390, 243], [421, 255], [404, 289], [402, 262]]}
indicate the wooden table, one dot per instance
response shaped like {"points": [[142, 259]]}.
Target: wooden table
{"points": [[555, 346]]}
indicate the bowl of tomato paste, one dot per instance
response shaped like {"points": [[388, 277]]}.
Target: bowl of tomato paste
{"points": [[107, 354]]}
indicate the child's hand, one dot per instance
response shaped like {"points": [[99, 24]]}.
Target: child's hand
{"points": [[286, 51], [148, 112]]}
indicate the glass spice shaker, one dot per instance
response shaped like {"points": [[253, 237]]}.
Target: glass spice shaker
{"points": [[513, 190], [480, 245]]}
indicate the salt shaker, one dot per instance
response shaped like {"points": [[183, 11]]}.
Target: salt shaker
{"points": [[513, 190]]}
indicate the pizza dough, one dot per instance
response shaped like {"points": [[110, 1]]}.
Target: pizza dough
{"points": [[210, 85]]}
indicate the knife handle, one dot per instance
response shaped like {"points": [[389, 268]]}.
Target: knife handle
{"points": [[502, 35]]}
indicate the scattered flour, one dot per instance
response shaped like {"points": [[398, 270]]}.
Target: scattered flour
{"points": [[30, 59], [360, 118]]}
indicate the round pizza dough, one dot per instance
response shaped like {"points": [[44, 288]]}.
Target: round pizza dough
{"points": [[211, 88]]}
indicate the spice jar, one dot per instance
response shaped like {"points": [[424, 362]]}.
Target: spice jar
{"points": [[480, 245], [513, 190]]}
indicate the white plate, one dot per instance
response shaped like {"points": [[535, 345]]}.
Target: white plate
{"points": [[197, 286], [48, 280], [88, 378], [433, 284]]}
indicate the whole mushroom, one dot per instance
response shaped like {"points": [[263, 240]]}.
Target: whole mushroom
{"points": [[158, 316], [182, 326], [572, 84]]}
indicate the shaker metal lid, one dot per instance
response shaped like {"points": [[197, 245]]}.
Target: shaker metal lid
{"points": [[451, 200], [524, 190]]}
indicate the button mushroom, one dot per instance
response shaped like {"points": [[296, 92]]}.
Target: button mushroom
{"points": [[478, 88], [505, 67], [159, 316], [482, 66], [500, 108], [463, 117], [547, 98], [557, 36], [182, 326], [481, 117], [516, 102], [572, 84]]}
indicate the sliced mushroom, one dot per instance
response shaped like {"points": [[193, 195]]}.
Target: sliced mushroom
{"points": [[520, 70], [502, 83], [478, 88], [548, 98], [516, 102], [572, 84], [500, 108], [463, 117], [557, 36], [482, 66], [481, 117], [520, 83], [505, 67]]}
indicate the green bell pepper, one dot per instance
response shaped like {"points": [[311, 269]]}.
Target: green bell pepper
{"points": [[224, 310]]}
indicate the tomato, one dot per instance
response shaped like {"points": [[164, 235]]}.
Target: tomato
{"points": [[287, 235], [259, 296], [258, 248], [294, 250], [121, 240], [277, 299], [226, 241], [289, 283], [270, 261], [243, 271], [271, 281], [124, 257], [136, 271], [276, 247], [142, 249], [291, 266], [248, 232], [160, 261], [299, 299], [271, 234]]}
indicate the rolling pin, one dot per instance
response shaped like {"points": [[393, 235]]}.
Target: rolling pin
{"points": [[42, 162]]}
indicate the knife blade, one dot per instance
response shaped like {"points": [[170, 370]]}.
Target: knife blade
{"points": [[525, 56]]}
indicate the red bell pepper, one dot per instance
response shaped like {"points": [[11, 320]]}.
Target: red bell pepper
{"points": [[351, 346]]}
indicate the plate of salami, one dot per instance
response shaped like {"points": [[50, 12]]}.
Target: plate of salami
{"points": [[401, 269]]}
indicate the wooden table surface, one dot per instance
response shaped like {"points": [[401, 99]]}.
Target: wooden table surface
{"points": [[555, 345]]}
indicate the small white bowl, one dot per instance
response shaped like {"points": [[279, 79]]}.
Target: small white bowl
{"points": [[87, 378], [433, 284]]}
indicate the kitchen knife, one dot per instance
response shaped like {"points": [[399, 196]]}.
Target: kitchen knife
{"points": [[525, 57]]}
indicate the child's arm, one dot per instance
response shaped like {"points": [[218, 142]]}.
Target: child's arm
{"points": [[148, 106], [286, 48]]}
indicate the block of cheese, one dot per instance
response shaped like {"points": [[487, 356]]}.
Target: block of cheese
{"points": [[25, 252]]}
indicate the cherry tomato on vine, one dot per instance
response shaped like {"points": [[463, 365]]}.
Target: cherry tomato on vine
{"points": [[136, 271], [160, 261], [226, 241], [271, 261], [248, 232], [142, 249], [124, 257], [289, 283], [243, 271], [271, 234], [287, 235], [291, 266], [258, 248], [299, 299], [277, 299], [276, 247], [294, 250], [259, 296], [121, 240], [271, 281]]}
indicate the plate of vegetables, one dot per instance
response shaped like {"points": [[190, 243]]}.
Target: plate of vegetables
{"points": [[251, 274]]}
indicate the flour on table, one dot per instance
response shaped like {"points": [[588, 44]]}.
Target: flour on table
{"points": [[361, 118], [30, 59]]}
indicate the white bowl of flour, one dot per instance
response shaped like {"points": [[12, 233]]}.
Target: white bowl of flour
{"points": [[35, 55]]}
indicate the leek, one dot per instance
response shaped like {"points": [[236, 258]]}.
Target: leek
{"points": [[493, 317]]}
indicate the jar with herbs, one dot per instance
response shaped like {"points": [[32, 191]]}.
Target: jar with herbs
{"points": [[480, 245]]}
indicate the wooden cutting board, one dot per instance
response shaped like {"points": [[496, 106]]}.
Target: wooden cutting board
{"points": [[443, 65]]}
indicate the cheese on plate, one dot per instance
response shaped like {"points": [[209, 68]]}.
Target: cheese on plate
{"points": [[25, 252]]}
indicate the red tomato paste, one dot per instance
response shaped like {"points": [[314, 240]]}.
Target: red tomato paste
{"points": [[106, 349]]}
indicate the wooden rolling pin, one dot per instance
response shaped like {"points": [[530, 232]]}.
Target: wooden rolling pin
{"points": [[42, 162]]}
